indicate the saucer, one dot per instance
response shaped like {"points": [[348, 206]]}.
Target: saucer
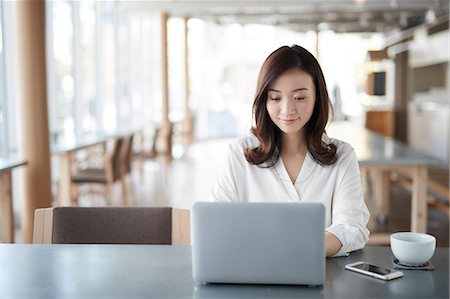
{"points": [[398, 265]]}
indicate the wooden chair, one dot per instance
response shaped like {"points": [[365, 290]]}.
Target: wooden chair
{"points": [[106, 176], [164, 142], [126, 153], [161, 147], [125, 160], [111, 225], [142, 152]]}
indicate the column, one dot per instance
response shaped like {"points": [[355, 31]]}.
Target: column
{"points": [[164, 71], [34, 116], [187, 121], [166, 126]]}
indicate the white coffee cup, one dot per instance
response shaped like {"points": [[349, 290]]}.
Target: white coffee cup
{"points": [[412, 248]]}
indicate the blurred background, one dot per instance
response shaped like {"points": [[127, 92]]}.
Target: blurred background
{"points": [[180, 76]]}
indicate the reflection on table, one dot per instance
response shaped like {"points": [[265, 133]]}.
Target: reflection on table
{"points": [[152, 271]]}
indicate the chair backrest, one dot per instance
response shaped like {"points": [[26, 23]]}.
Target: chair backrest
{"points": [[112, 163], [111, 225], [163, 139], [126, 153]]}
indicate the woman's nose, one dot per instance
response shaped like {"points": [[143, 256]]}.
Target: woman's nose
{"points": [[288, 108]]}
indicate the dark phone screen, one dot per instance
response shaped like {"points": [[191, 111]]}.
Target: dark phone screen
{"points": [[373, 269]]}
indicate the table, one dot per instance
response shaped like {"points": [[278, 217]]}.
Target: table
{"points": [[158, 271], [66, 158], [6, 200], [378, 154]]}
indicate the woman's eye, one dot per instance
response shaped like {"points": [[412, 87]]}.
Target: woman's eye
{"points": [[299, 98], [274, 99]]}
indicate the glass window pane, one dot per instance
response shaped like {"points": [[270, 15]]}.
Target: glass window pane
{"points": [[123, 71], [3, 114], [175, 31], [107, 63], [149, 81], [62, 28], [154, 26], [88, 67], [137, 67]]}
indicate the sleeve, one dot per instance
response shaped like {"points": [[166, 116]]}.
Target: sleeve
{"points": [[226, 189], [349, 211]]}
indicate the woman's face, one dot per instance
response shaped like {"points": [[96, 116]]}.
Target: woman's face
{"points": [[290, 100]]}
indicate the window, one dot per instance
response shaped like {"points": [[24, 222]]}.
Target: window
{"points": [[60, 70], [175, 48], [100, 68], [107, 51], [3, 114], [9, 129], [87, 92]]}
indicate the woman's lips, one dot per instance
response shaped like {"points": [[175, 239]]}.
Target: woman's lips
{"points": [[289, 121]]}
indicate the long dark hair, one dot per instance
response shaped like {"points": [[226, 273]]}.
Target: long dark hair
{"points": [[268, 134]]}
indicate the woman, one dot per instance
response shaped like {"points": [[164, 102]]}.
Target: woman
{"points": [[288, 157]]}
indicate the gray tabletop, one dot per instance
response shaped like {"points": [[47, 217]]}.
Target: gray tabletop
{"points": [[73, 145], [65, 146], [374, 149], [8, 164], [150, 271]]}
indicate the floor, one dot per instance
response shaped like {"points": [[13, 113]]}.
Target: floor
{"points": [[191, 177]]}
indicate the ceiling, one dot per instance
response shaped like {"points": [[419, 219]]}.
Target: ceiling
{"points": [[302, 15]]}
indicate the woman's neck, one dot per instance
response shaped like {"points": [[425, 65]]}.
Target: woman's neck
{"points": [[293, 144]]}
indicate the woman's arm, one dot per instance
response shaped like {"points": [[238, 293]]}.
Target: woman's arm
{"points": [[349, 211], [332, 244], [226, 189]]}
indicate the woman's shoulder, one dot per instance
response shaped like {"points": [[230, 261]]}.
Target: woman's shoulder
{"points": [[342, 148], [243, 142]]}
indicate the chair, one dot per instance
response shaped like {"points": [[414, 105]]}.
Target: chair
{"points": [[161, 147], [160, 150], [125, 160], [164, 143], [142, 153], [111, 225], [187, 131], [126, 153], [106, 176]]}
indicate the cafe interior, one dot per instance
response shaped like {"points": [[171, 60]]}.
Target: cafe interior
{"points": [[134, 103]]}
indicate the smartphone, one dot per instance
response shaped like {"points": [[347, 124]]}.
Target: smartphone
{"points": [[374, 271]]}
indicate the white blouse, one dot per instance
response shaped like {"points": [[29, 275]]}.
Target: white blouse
{"points": [[337, 186]]}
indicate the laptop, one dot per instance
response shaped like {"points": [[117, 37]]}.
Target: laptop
{"points": [[258, 243]]}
